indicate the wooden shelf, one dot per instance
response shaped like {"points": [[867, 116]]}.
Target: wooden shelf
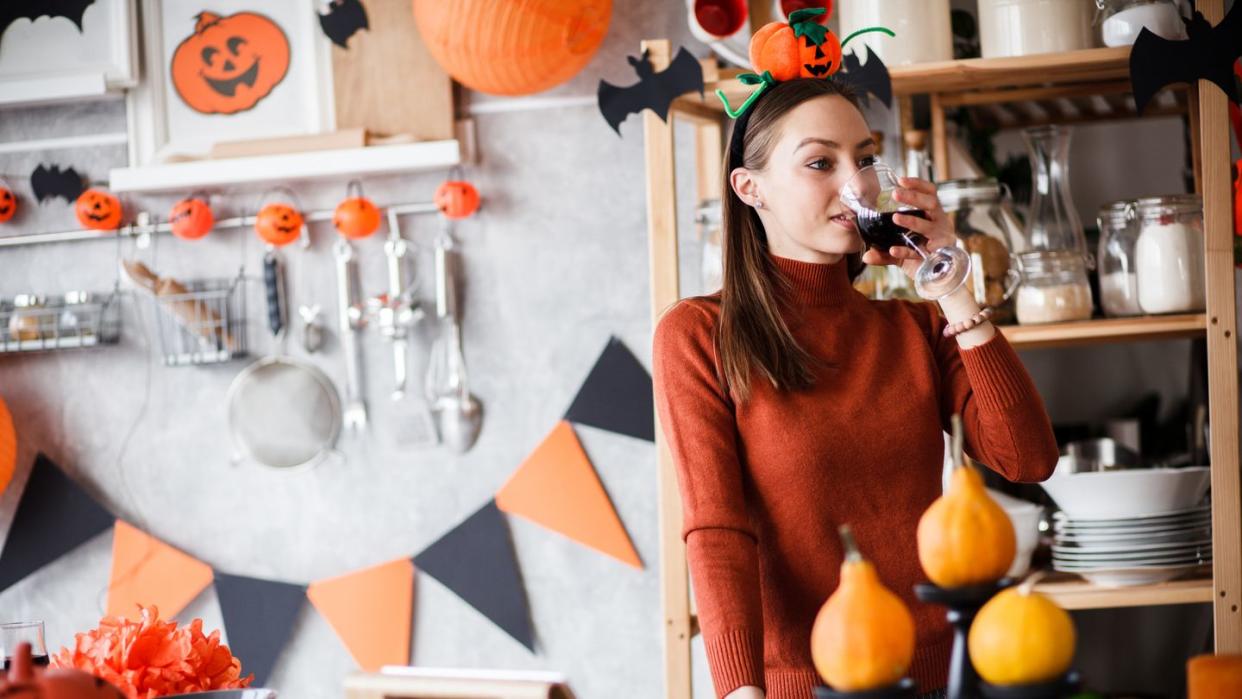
{"points": [[1103, 330], [288, 167], [1072, 592], [1064, 68]]}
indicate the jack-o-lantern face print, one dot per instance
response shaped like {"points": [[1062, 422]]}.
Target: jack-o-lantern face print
{"points": [[229, 64], [822, 59], [8, 204], [98, 210]]}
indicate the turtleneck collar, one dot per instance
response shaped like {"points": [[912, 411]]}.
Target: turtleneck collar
{"points": [[815, 284]]}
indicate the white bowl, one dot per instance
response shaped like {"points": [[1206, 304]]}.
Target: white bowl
{"points": [[1139, 492], [1025, 519]]}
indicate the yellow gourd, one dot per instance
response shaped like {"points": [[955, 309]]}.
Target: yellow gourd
{"points": [[1021, 637], [965, 538], [863, 637]]}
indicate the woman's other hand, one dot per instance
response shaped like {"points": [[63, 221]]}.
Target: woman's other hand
{"points": [[937, 228]]}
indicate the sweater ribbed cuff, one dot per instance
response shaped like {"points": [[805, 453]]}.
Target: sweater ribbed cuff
{"points": [[735, 659], [997, 376], [930, 667]]}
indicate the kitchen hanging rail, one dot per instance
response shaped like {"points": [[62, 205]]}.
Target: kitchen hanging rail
{"points": [[139, 227]]}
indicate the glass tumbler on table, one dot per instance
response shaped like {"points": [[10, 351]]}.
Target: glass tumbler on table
{"points": [[18, 632], [869, 194]]}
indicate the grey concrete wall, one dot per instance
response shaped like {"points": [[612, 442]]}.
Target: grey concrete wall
{"points": [[554, 264]]}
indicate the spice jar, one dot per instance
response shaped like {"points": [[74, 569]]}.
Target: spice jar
{"points": [[1169, 254], [1116, 263], [1025, 27], [24, 323], [987, 227], [1122, 20], [1054, 288]]}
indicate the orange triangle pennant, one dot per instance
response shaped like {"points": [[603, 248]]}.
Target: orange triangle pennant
{"points": [[370, 611], [8, 447], [149, 572], [557, 487]]}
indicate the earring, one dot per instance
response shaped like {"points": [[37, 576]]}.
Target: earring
{"points": [[758, 203]]}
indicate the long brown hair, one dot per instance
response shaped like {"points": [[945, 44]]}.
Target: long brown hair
{"points": [[752, 335]]}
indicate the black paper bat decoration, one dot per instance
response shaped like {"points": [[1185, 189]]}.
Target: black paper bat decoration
{"points": [[1208, 54], [654, 91], [13, 10], [344, 18], [870, 78], [48, 182]]}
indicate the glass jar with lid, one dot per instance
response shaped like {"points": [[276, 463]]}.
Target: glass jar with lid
{"points": [[987, 228], [25, 323], [1169, 254], [1122, 20], [1115, 259], [1054, 288]]}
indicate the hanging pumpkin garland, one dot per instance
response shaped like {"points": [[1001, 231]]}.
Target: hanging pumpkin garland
{"points": [[191, 218], [356, 217], [8, 201], [99, 210], [457, 199], [279, 222]]}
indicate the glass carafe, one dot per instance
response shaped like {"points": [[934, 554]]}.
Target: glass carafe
{"points": [[1052, 223]]}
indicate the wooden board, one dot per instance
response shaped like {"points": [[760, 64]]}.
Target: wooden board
{"points": [[1072, 592], [347, 138], [1099, 330], [387, 82]]}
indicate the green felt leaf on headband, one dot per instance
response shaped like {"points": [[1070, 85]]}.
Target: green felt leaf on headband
{"points": [[763, 81], [804, 24]]}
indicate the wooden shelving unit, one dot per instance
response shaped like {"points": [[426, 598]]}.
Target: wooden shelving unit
{"points": [[1066, 87]]}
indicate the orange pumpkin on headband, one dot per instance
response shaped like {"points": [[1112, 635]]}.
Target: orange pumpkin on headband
{"points": [[278, 224], [8, 203], [800, 49], [98, 210], [457, 199], [229, 63], [191, 218]]}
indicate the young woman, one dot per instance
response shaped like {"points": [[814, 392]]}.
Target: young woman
{"points": [[792, 404]]}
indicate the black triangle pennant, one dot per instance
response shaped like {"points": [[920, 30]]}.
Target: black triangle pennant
{"points": [[477, 562], [616, 395], [54, 517], [258, 617]]}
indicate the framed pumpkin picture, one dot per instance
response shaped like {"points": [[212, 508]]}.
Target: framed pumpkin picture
{"points": [[228, 70]]}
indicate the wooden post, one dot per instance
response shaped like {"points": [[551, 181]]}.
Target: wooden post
{"points": [[939, 139], [665, 290], [1222, 359]]}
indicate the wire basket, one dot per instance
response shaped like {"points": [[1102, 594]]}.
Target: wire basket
{"points": [[33, 323], [206, 324]]}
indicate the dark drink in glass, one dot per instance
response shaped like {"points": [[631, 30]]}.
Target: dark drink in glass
{"points": [[36, 660], [879, 231]]}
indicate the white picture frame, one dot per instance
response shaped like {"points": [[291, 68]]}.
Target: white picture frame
{"points": [[50, 59], [165, 128]]}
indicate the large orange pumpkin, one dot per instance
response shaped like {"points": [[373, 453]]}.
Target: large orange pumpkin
{"points": [[965, 538], [229, 63], [8, 202], [512, 47], [802, 48], [1021, 637], [457, 199], [98, 210], [278, 224], [191, 218]]}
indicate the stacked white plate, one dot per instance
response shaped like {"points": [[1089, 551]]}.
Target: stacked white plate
{"points": [[1136, 550]]}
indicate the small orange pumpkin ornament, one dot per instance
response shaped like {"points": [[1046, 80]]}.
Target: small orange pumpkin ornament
{"points": [[98, 210], [8, 202], [802, 48], [229, 63], [863, 637], [356, 217], [457, 199], [191, 218], [965, 538], [1021, 637], [278, 223]]}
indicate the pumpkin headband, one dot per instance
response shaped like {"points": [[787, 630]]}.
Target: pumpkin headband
{"points": [[779, 52]]}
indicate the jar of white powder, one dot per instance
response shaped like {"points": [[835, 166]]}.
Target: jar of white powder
{"points": [[1169, 254], [1118, 276], [1122, 20], [1054, 288]]}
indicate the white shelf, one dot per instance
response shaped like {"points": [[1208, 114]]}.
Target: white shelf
{"points": [[287, 167]]}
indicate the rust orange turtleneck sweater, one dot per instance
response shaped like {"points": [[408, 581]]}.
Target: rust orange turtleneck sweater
{"points": [[766, 483]]}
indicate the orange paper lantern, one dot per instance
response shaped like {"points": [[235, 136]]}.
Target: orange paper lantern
{"points": [[457, 199], [98, 210], [191, 218], [512, 47], [8, 202], [8, 447], [278, 224]]}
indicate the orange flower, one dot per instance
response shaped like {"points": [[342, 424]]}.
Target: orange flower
{"points": [[152, 658]]}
